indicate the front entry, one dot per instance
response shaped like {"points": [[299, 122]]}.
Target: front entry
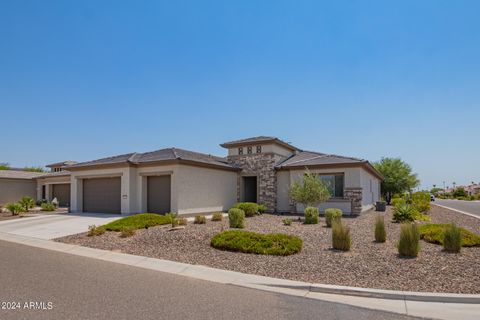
{"points": [[250, 189]]}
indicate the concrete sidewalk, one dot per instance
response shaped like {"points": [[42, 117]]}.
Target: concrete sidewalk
{"points": [[399, 304], [54, 225]]}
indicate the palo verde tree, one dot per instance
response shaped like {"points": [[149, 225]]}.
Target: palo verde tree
{"points": [[310, 192], [398, 177]]}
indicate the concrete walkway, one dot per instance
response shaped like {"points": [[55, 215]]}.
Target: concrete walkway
{"points": [[54, 225], [401, 304]]}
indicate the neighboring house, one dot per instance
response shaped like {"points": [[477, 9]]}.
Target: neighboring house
{"points": [[55, 184], [473, 189], [259, 169], [14, 184]]}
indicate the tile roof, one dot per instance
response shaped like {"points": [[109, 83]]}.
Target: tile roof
{"points": [[311, 158], [55, 174], [58, 164], [257, 140], [19, 174], [159, 155]]}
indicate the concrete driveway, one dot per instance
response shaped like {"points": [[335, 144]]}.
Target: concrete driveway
{"points": [[56, 225]]}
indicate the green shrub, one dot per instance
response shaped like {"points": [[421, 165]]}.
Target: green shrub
{"points": [[27, 203], [421, 201], [218, 216], [452, 238], [236, 218], [173, 217], [287, 221], [127, 231], [380, 232], [397, 201], [93, 230], [332, 215], [251, 242], [262, 208], [341, 236], [139, 221], [311, 215], [182, 221], [409, 243], [250, 208], [48, 206], [434, 233], [14, 208], [404, 212], [200, 219]]}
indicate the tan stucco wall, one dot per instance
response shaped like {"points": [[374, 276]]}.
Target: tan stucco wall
{"points": [[286, 178], [266, 148], [12, 190], [193, 189]]}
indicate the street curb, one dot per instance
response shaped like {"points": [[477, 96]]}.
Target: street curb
{"points": [[237, 278], [456, 210]]}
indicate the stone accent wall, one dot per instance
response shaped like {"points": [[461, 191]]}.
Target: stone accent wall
{"points": [[354, 195], [263, 166]]}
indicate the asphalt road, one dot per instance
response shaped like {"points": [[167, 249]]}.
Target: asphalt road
{"points": [[84, 288], [472, 207]]}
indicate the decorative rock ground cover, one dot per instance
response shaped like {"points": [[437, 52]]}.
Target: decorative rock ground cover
{"points": [[367, 264]]}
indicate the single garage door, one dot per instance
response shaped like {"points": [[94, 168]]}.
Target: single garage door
{"points": [[62, 193], [158, 194], [102, 195]]}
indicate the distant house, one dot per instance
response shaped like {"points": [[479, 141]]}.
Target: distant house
{"points": [[259, 169], [14, 184]]}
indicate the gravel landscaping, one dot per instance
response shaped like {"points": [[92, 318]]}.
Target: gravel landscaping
{"points": [[368, 264]]}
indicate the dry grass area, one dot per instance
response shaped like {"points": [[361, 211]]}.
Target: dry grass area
{"points": [[368, 264]]}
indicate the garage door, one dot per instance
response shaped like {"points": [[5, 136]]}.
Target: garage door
{"points": [[102, 195], [158, 194], [62, 193]]}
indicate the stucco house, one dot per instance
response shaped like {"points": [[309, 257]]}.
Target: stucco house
{"points": [[259, 169], [14, 184]]}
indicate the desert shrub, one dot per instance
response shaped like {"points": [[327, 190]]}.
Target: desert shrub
{"points": [[250, 208], [173, 219], [48, 206], [409, 243], [250, 242], [421, 201], [311, 215], [460, 192], [332, 215], [380, 232], [218, 216], [93, 230], [200, 219], [27, 203], [404, 212], [310, 192], [262, 208], [397, 201], [139, 221], [287, 221], [182, 221], [127, 231], [452, 238], [14, 208], [340, 236], [435, 233], [236, 218]]}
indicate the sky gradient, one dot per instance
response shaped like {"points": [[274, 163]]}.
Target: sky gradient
{"points": [[85, 80]]}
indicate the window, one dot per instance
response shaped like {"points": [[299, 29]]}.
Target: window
{"points": [[334, 183], [249, 150], [240, 150], [259, 149]]}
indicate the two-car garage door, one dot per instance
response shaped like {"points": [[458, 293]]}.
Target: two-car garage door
{"points": [[102, 195]]}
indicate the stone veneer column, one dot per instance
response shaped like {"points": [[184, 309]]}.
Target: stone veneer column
{"points": [[262, 166], [355, 196]]}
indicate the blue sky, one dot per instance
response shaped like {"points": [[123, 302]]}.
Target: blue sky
{"points": [[84, 80]]}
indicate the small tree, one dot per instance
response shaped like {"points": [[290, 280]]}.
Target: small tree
{"points": [[4, 166], [310, 192], [398, 177]]}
